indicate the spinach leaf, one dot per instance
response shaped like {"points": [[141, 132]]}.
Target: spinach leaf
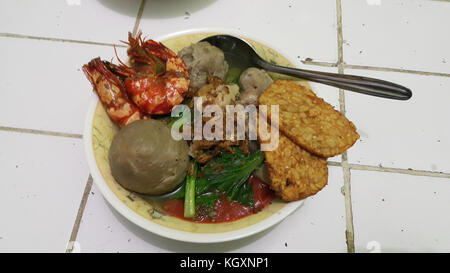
{"points": [[207, 199], [227, 174]]}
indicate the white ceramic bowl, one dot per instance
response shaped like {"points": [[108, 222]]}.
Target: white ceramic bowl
{"points": [[149, 218]]}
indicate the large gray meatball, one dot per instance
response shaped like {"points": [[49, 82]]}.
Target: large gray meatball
{"points": [[144, 158], [202, 60]]}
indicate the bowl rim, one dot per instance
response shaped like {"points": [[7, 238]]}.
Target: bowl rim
{"points": [[155, 228]]}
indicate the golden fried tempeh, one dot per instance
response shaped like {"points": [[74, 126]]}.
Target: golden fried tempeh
{"points": [[308, 120], [294, 173]]}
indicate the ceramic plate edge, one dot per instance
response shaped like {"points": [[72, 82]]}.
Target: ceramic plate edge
{"points": [[156, 228]]}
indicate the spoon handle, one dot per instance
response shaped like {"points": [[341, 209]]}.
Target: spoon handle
{"points": [[364, 85]]}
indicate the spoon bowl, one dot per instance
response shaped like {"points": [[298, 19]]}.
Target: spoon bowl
{"points": [[238, 53]]}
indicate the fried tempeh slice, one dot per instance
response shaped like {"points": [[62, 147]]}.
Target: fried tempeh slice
{"points": [[308, 120], [294, 173]]}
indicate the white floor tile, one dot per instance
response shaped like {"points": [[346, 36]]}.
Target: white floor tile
{"points": [[43, 179], [400, 213], [402, 134], [400, 34], [329, 93], [302, 30], [318, 226], [101, 21], [43, 86]]}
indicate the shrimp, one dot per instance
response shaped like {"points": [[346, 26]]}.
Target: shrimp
{"points": [[158, 79], [111, 93]]}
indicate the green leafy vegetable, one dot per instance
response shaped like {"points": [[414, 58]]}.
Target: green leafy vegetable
{"points": [[245, 195], [208, 200], [228, 174]]}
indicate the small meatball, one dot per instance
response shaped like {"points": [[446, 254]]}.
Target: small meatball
{"points": [[203, 60], [254, 78], [249, 96]]}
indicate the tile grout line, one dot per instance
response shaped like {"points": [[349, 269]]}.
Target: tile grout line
{"points": [[334, 163], [39, 132], [400, 70], [349, 230], [76, 225], [138, 17], [376, 68], [324, 64], [361, 167], [20, 36]]}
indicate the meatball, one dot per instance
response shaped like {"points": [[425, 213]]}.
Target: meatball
{"points": [[144, 158], [254, 78], [249, 96], [202, 60], [254, 81]]}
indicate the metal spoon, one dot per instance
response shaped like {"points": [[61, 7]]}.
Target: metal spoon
{"points": [[240, 52]]}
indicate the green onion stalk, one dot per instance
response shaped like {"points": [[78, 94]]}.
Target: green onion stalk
{"points": [[189, 198]]}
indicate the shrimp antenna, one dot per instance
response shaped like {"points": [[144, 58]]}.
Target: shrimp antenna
{"points": [[140, 39], [127, 43], [120, 61]]}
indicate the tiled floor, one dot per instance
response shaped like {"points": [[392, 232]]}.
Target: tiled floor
{"points": [[417, 138], [402, 213], [70, 19], [387, 193], [43, 178], [46, 88], [407, 38], [260, 19]]}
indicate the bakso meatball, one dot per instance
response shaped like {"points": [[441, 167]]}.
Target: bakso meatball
{"points": [[249, 96], [254, 78], [144, 158], [254, 81]]}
